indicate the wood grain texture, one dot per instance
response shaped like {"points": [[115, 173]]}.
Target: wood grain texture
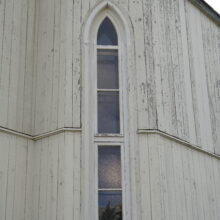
{"points": [[16, 63], [57, 179], [15, 178], [181, 181], [176, 50], [175, 88]]}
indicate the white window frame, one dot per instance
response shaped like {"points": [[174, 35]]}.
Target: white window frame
{"points": [[90, 137], [120, 48], [120, 89], [111, 139], [122, 189]]}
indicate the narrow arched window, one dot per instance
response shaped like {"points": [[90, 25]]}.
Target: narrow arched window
{"points": [[109, 124], [105, 122], [108, 90]]}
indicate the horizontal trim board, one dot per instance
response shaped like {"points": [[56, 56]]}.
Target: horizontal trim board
{"points": [[178, 140], [140, 131], [207, 9], [40, 136]]}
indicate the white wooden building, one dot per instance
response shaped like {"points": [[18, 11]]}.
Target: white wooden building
{"points": [[109, 108]]}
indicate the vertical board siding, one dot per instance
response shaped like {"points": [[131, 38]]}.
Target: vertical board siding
{"points": [[15, 178], [211, 47], [149, 86], [198, 78], [176, 64], [181, 183], [168, 63], [176, 54], [57, 65], [16, 49], [57, 177]]}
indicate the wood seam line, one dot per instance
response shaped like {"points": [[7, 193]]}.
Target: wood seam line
{"points": [[178, 140]]}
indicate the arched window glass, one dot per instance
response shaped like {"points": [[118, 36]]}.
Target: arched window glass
{"points": [[108, 90], [107, 34]]}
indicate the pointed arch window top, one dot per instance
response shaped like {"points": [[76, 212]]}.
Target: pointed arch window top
{"points": [[107, 34]]}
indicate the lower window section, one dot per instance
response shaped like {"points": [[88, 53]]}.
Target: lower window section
{"points": [[110, 205]]}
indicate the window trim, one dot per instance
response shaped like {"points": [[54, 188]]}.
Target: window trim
{"points": [[125, 31], [123, 180], [120, 78]]}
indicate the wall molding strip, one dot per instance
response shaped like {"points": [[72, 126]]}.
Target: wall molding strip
{"points": [[139, 131], [39, 136], [178, 140]]}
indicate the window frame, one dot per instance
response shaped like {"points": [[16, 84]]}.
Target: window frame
{"points": [[119, 48], [122, 189], [90, 138], [110, 139]]}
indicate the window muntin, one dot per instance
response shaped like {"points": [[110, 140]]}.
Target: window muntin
{"points": [[109, 182]]}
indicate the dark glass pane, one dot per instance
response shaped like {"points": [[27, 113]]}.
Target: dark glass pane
{"points": [[108, 112], [108, 69], [109, 167], [107, 34], [110, 205]]}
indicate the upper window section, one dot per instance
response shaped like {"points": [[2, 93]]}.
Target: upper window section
{"points": [[107, 34], [107, 67]]}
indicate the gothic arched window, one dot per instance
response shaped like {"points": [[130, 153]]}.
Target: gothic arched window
{"points": [[105, 152], [108, 79], [108, 121]]}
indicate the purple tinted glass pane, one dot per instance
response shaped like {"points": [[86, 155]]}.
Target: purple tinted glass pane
{"points": [[109, 166], [110, 205], [108, 69], [107, 34], [108, 112]]}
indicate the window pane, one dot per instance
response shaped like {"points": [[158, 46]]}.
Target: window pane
{"points": [[107, 69], [107, 34], [109, 166], [110, 205], [108, 112]]}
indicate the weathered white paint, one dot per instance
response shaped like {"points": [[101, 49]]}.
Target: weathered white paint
{"points": [[16, 63], [42, 179], [173, 87], [176, 68], [57, 177], [16, 179], [177, 182]]}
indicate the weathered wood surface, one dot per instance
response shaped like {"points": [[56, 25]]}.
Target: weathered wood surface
{"points": [[177, 182], [16, 168], [16, 63], [42, 181], [176, 50], [57, 177]]}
